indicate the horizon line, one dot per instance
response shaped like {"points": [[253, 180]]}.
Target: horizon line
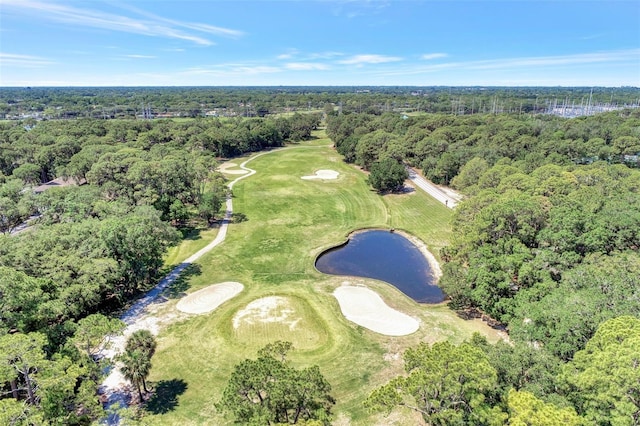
{"points": [[321, 85]]}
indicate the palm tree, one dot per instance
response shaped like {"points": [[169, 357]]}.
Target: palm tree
{"points": [[142, 340], [135, 368]]}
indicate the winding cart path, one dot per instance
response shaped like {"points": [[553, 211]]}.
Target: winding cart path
{"points": [[140, 316], [113, 388]]}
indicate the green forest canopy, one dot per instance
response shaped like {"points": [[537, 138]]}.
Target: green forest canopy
{"points": [[546, 240]]}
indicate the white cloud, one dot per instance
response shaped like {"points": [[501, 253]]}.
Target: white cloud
{"points": [[543, 61], [211, 29], [153, 26], [430, 56], [290, 53], [295, 53], [28, 61], [306, 66], [206, 28], [369, 59], [325, 55], [591, 36], [140, 56], [531, 63]]}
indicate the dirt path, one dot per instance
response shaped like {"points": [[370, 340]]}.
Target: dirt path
{"points": [[141, 314], [448, 197]]}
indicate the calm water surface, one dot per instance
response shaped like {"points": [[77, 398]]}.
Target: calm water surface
{"points": [[385, 256]]}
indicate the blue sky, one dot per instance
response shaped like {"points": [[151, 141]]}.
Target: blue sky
{"points": [[319, 42]]}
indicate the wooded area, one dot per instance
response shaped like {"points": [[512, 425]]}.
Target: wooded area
{"points": [[93, 248], [159, 102], [545, 242]]}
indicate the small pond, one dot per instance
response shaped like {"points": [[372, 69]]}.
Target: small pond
{"points": [[385, 256]]}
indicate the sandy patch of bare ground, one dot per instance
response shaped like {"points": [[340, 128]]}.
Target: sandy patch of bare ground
{"points": [[265, 310], [323, 175]]}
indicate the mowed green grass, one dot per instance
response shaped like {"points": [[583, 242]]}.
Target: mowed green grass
{"points": [[193, 241], [289, 222]]}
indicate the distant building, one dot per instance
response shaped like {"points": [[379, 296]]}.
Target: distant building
{"points": [[58, 183]]}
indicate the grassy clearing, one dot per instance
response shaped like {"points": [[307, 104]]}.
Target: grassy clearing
{"points": [[289, 222], [421, 215], [193, 241]]}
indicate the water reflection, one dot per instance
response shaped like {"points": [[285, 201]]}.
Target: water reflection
{"points": [[385, 256]]}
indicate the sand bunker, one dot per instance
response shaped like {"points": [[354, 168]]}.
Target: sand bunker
{"points": [[323, 174], [366, 308], [209, 298], [265, 310], [226, 168]]}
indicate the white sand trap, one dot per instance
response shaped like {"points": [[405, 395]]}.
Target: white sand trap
{"points": [[266, 310], [209, 298], [366, 308], [323, 174]]}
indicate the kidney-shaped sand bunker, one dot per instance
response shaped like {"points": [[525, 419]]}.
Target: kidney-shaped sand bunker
{"points": [[366, 308]]}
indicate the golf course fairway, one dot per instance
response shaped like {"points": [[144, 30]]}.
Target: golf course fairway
{"points": [[289, 221]]}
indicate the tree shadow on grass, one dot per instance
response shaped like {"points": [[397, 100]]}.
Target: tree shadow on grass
{"points": [[191, 235], [178, 288], [238, 217], [473, 313], [165, 396]]}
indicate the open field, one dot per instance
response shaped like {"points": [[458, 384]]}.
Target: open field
{"points": [[289, 222]]}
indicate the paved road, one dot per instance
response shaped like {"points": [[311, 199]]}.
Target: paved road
{"points": [[430, 188], [24, 226]]}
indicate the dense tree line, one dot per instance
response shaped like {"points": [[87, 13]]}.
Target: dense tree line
{"points": [[36, 152], [552, 253], [128, 102], [441, 144], [517, 384], [545, 242], [92, 248], [43, 384], [51, 278]]}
